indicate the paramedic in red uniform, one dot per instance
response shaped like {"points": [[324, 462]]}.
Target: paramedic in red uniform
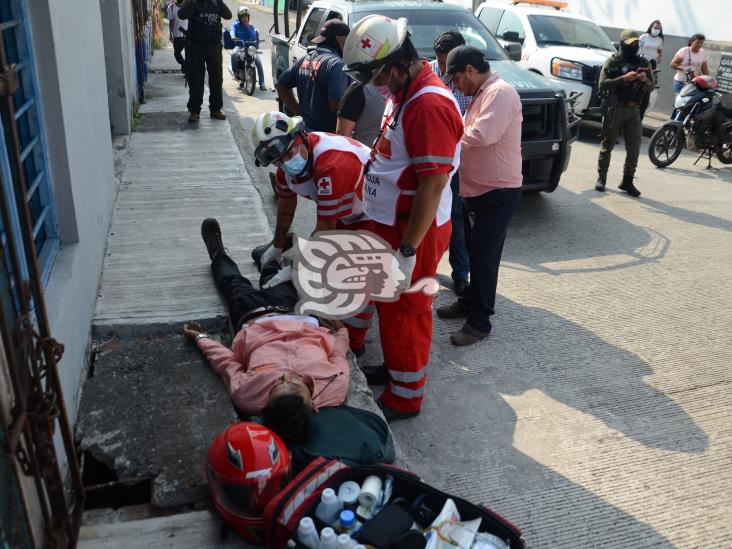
{"points": [[322, 167], [406, 195]]}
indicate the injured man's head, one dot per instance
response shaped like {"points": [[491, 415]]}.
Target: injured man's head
{"points": [[289, 412]]}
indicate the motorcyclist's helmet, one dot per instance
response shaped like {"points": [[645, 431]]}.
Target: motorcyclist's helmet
{"points": [[248, 465], [273, 135], [373, 42], [705, 82], [242, 12]]}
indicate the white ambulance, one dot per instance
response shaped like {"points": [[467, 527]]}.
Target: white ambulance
{"points": [[565, 47]]}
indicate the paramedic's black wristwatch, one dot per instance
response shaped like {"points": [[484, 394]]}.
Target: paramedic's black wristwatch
{"points": [[407, 251]]}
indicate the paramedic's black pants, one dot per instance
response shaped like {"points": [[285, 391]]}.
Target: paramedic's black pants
{"points": [[202, 58]]}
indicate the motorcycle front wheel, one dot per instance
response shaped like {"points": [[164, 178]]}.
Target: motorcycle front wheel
{"points": [[666, 145], [250, 79], [724, 153]]}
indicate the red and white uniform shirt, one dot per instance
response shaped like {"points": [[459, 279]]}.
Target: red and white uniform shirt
{"points": [[424, 141], [337, 171]]}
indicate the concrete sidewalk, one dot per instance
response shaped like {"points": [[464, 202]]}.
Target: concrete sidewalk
{"points": [[152, 405]]}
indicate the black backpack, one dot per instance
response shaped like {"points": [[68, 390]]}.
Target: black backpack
{"points": [[350, 435]]}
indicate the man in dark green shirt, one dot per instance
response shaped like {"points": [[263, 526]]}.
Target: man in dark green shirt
{"points": [[628, 79], [203, 51]]}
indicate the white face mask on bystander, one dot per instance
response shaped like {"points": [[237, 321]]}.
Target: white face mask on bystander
{"points": [[655, 32]]}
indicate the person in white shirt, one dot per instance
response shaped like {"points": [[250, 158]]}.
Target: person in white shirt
{"points": [[651, 43], [178, 29], [689, 62]]}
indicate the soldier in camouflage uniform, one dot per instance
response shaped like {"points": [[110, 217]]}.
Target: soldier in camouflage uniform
{"points": [[627, 79]]}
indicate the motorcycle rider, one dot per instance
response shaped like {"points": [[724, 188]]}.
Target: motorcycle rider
{"points": [[406, 194], [628, 79], [321, 167], [203, 51], [241, 33]]}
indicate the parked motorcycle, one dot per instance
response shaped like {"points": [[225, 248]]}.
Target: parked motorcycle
{"points": [[701, 122], [246, 72]]}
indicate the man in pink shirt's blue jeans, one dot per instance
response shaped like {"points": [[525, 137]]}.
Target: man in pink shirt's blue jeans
{"points": [[490, 183]]}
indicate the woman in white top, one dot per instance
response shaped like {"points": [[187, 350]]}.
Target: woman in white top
{"points": [[689, 62], [651, 43]]}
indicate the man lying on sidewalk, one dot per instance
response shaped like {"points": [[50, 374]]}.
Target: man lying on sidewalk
{"points": [[282, 366]]}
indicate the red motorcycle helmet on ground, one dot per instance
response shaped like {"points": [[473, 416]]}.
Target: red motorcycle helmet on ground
{"points": [[247, 466]]}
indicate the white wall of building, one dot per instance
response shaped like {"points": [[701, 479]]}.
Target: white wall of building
{"points": [[117, 34], [68, 45]]}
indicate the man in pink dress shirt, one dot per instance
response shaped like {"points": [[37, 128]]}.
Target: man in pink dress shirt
{"points": [[490, 183], [281, 366]]}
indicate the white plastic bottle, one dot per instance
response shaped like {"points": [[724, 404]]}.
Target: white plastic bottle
{"points": [[344, 541], [329, 507], [307, 534], [328, 538]]}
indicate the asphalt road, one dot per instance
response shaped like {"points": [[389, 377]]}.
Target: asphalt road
{"points": [[597, 413]]}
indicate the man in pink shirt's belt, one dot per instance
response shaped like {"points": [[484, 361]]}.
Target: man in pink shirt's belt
{"points": [[281, 366], [490, 183]]}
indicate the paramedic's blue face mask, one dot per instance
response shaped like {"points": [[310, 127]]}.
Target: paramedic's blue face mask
{"points": [[295, 165]]}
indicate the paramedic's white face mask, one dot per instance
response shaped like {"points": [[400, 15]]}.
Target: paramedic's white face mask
{"points": [[655, 32]]}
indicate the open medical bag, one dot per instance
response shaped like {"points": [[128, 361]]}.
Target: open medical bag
{"points": [[302, 495]]}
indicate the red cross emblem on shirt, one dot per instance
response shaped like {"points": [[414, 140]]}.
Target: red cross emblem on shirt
{"points": [[325, 186], [365, 43]]}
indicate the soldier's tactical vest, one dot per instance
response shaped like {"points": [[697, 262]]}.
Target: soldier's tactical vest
{"points": [[628, 92], [204, 26]]}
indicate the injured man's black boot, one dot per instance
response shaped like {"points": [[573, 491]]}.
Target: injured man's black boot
{"points": [[211, 234]]}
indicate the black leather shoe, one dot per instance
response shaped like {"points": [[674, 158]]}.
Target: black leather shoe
{"points": [[258, 252], [456, 310], [627, 186], [211, 234], [600, 184], [390, 414], [459, 287], [467, 335], [375, 375]]}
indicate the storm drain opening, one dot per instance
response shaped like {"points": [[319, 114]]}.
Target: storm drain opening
{"points": [[104, 489]]}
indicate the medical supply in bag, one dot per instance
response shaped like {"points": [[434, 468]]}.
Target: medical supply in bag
{"points": [[404, 512], [329, 507]]}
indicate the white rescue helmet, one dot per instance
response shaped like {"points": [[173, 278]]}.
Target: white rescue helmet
{"points": [[242, 12], [273, 135], [372, 43]]}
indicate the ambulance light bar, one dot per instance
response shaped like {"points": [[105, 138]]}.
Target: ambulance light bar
{"points": [[549, 3]]}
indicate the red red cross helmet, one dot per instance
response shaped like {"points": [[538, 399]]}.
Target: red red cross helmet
{"points": [[247, 466]]}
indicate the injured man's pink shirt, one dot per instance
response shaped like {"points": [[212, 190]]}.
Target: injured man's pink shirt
{"points": [[264, 351]]}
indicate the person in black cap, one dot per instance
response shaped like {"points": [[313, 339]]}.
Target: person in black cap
{"points": [[627, 79], [319, 79], [490, 183]]}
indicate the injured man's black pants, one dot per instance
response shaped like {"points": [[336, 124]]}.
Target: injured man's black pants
{"points": [[242, 297]]}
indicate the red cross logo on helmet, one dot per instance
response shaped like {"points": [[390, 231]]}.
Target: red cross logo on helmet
{"points": [[366, 43]]}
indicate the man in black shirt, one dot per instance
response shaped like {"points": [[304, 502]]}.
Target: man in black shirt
{"points": [[203, 51]]}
